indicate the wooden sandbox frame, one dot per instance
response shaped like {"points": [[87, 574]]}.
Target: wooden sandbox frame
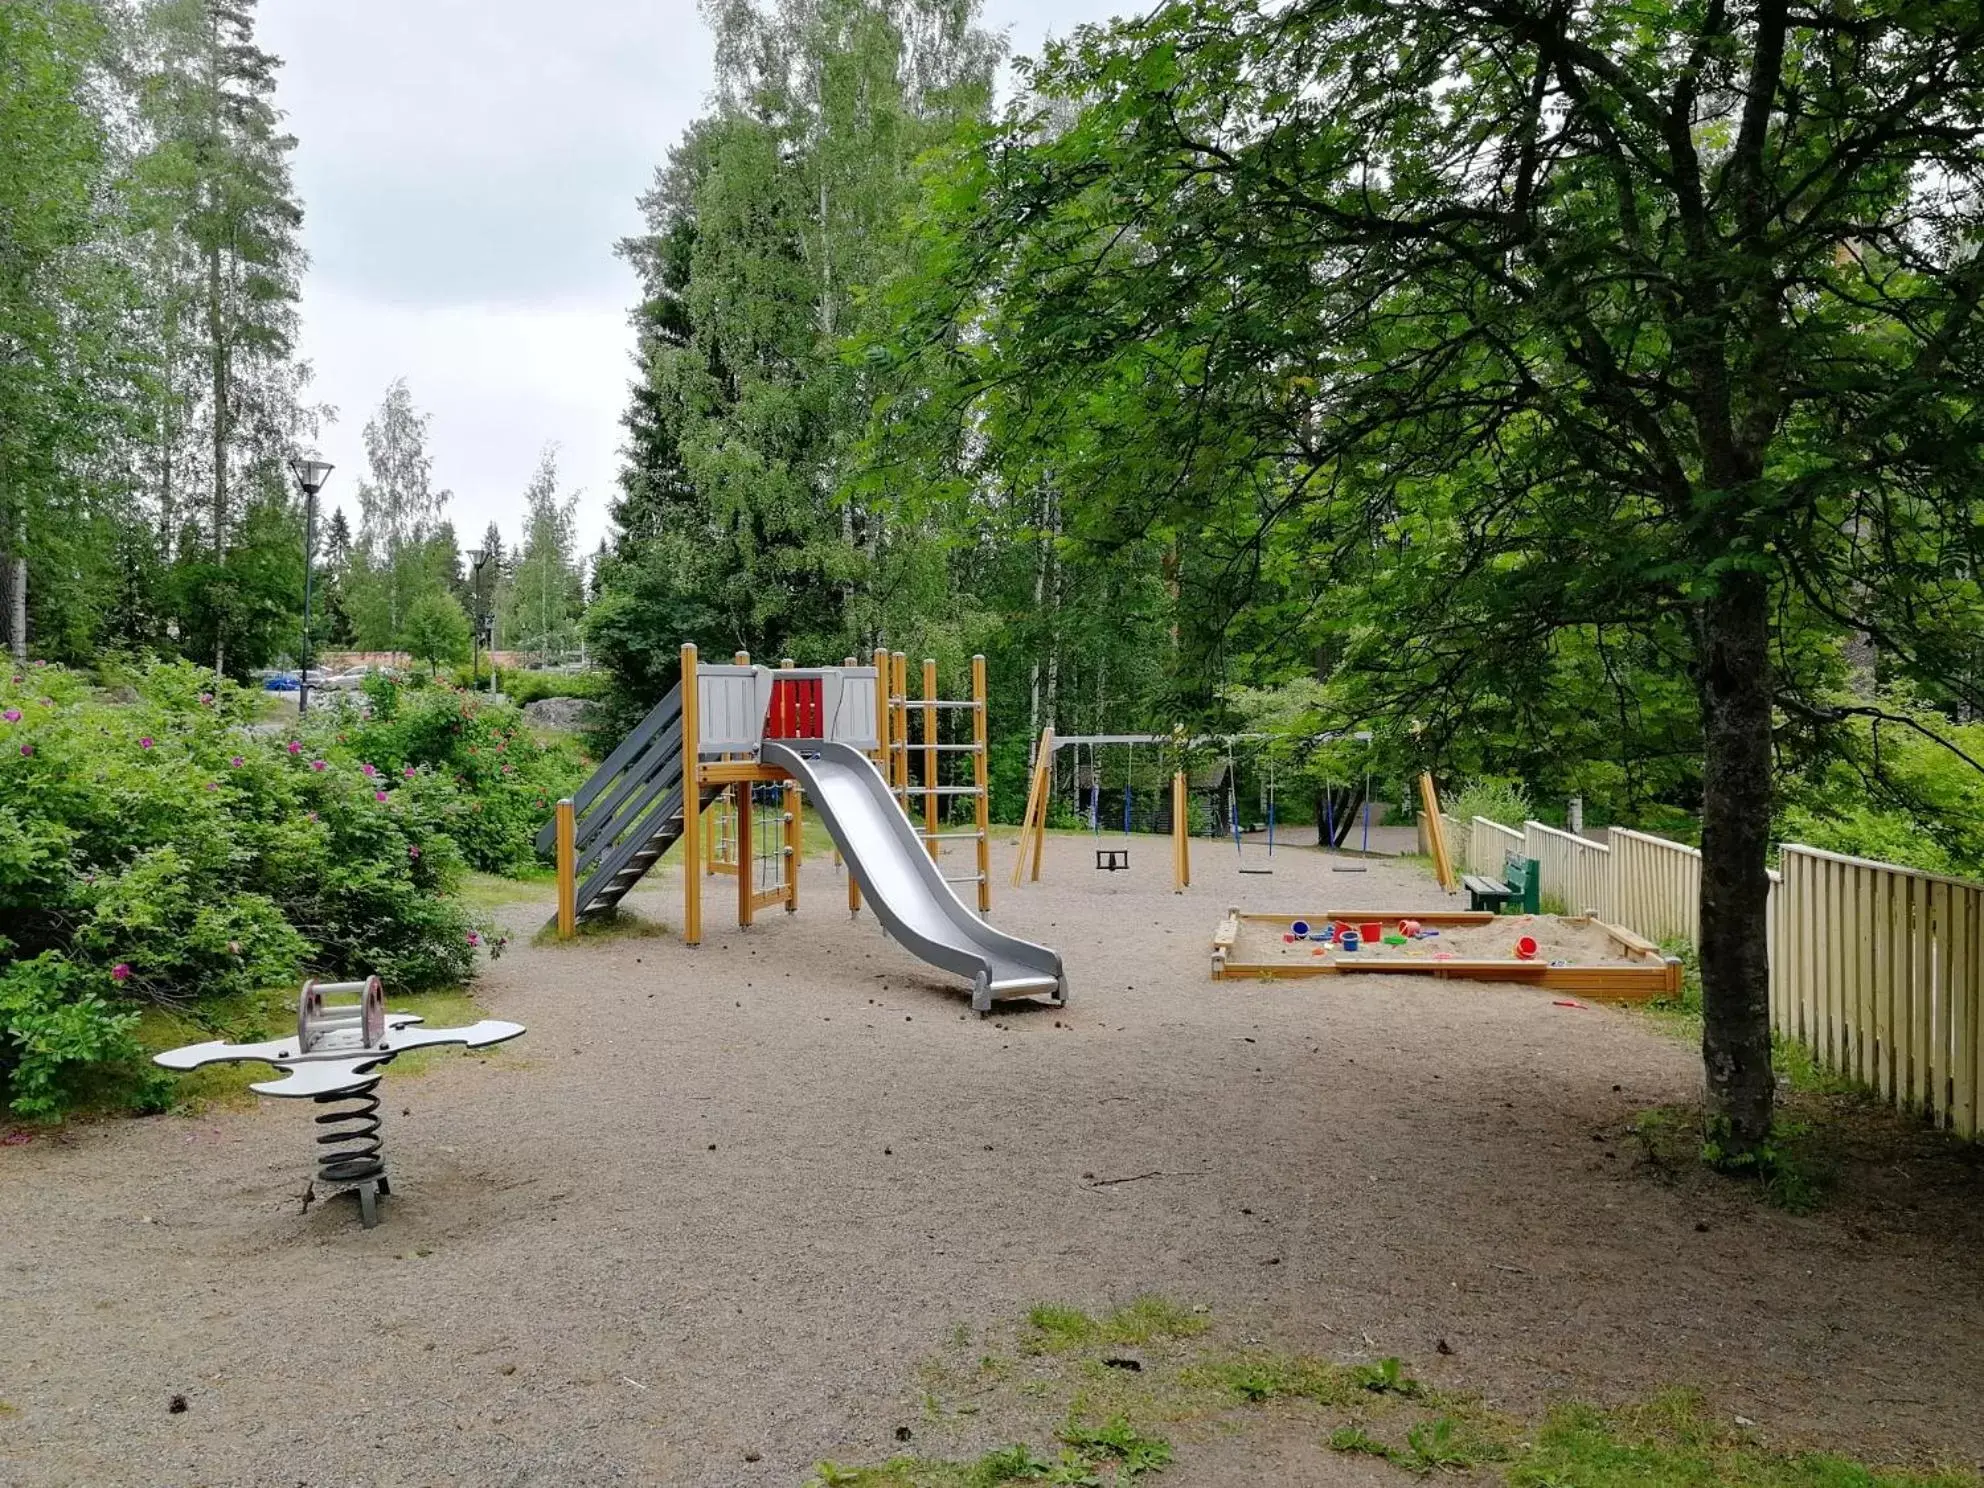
{"points": [[1659, 975]]}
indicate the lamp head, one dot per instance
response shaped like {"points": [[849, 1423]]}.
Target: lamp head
{"points": [[310, 474]]}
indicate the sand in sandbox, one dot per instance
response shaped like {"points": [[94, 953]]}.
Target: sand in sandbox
{"points": [[1576, 942]]}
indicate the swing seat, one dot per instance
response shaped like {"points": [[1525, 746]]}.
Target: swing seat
{"points": [[1112, 859]]}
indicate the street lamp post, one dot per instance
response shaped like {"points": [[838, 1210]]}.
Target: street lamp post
{"points": [[476, 558], [310, 477]]}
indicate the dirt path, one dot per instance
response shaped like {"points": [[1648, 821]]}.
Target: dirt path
{"points": [[723, 1201]]}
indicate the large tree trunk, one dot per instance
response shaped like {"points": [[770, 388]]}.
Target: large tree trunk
{"points": [[1732, 634]]}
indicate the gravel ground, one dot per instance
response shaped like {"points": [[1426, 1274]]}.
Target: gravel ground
{"points": [[722, 1201]]}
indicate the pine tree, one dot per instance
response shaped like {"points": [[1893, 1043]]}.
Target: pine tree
{"points": [[547, 590], [213, 188]]}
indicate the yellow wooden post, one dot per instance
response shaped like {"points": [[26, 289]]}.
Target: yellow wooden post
{"points": [[1036, 808], [931, 818], [792, 828], [747, 874], [692, 801], [1046, 773], [981, 782], [899, 690], [1181, 835], [568, 879]]}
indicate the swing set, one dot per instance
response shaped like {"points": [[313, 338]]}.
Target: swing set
{"points": [[1086, 786]]}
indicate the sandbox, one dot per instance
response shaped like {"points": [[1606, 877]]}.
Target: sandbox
{"points": [[1574, 953]]}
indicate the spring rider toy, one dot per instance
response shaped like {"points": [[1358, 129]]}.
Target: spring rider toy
{"points": [[337, 1059]]}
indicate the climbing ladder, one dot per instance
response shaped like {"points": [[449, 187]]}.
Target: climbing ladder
{"points": [[630, 812]]}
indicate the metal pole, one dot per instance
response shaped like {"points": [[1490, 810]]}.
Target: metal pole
{"points": [[309, 549]]}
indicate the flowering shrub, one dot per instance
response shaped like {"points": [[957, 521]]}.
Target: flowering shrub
{"points": [[165, 849], [503, 781]]}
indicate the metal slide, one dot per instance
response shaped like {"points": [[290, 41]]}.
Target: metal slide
{"points": [[904, 885]]}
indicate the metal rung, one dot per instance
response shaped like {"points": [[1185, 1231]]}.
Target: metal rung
{"points": [[965, 878], [910, 702], [950, 748], [939, 790], [951, 836]]}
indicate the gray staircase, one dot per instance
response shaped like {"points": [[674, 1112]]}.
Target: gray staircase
{"points": [[630, 812]]}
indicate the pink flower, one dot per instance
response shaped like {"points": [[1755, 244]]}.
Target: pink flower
{"points": [[213, 785], [408, 772], [121, 972], [237, 761], [206, 700], [26, 750], [474, 939], [368, 770], [414, 851], [506, 769], [378, 795], [318, 765], [146, 742], [311, 817], [295, 747], [12, 715]]}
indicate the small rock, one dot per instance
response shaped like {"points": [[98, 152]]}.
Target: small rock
{"points": [[754, 1456], [712, 1146], [507, 1369], [1443, 1347], [177, 1405], [1701, 1227], [903, 1433]]}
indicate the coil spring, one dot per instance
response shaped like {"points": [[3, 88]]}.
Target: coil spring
{"points": [[353, 1149]]}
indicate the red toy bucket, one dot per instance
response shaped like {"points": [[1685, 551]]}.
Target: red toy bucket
{"points": [[1526, 948], [1371, 932]]}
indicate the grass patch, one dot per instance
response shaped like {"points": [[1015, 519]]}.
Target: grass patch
{"points": [[486, 891], [1795, 1171], [1672, 1441], [1086, 1452], [1117, 1423], [616, 924], [1146, 1319]]}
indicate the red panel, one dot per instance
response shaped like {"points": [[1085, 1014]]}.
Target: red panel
{"points": [[798, 709]]}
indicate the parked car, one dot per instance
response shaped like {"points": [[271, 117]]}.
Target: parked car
{"points": [[281, 682], [348, 680]]}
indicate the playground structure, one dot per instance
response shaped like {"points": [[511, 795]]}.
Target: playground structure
{"points": [[1272, 947], [728, 740], [336, 1060]]}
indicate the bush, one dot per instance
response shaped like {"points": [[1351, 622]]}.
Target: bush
{"points": [[53, 1028], [1495, 797], [486, 778], [158, 850], [522, 687]]}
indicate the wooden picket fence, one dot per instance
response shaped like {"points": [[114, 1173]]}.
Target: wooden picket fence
{"points": [[1488, 843], [1576, 873], [1875, 968], [1656, 886], [1880, 973]]}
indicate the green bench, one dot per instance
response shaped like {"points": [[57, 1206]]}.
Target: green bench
{"points": [[1517, 886]]}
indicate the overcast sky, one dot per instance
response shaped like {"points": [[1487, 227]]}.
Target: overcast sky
{"points": [[465, 168]]}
